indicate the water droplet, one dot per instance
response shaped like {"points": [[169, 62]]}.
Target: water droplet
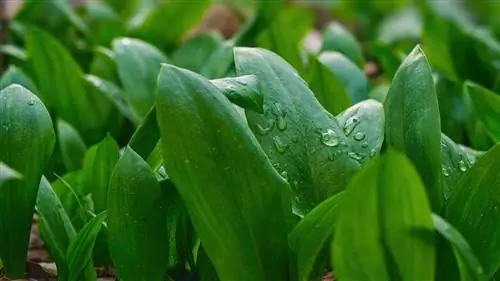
{"points": [[462, 166], [31, 101], [446, 173], [295, 183], [364, 144], [355, 156], [443, 143], [276, 166], [279, 145], [329, 138], [343, 143], [281, 123], [373, 152], [186, 161], [279, 110], [261, 130], [295, 139], [242, 82], [359, 136], [331, 156], [350, 124], [284, 174]]}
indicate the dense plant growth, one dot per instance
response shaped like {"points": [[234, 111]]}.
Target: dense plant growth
{"points": [[172, 155]]}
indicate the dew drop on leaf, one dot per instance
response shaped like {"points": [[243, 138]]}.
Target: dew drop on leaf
{"points": [[373, 152], [446, 173], [295, 139], [331, 156], [350, 124], [284, 174], [31, 101], [279, 145], [355, 156], [359, 136], [462, 166], [241, 82], [281, 123], [364, 144], [329, 138]]}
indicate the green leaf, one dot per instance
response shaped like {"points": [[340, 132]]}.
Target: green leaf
{"points": [[103, 65], [327, 88], [266, 13], [61, 84], [285, 34], [387, 58], [338, 39], [455, 162], [195, 52], [137, 222], [104, 24], [14, 75], [138, 64], [372, 225], [68, 190], [26, 130], [98, 171], [401, 26], [220, 62], [7, 174], [473, 209], [470, 268], [114, 95], [413, 123], [55, 226], [72, 146], [367, 140], [305, 143], [13, 51], [487, 105], [243, 91], [310, 236], [147, 135], [79, 253], [184, 14], [352, 78], [229, 201]]}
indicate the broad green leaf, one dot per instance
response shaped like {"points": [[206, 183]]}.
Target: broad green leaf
{"points": [[138, 64], [266, 13], [477, 133], [379, 92], [137, 222], [98, 172], [473, 209], [413, 123], [26, 131], [55, 226], [103, 65], [14, 75], [469, 266], [310, 236], [68, 189], [338, 39], [455, 162], [229, 200], [204, 267], [384, 214], [364, 124], [305, 143], [13, 51], [220, 62], [401, 26], [487, 105], [327, 88], [185, 15], [72, 146], [7, 174], [115, 95], [147, 135], [352, 78], [195, 52], [79, 253], [61, 85], [243, 91], [285, 34], [104, 24]]}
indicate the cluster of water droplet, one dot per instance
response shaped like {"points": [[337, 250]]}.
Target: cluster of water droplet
{"points": [[462, 165]]}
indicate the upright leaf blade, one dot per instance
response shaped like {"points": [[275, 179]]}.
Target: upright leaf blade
{"points": [[412, 121], [243, 91], [229, 200], [487, 105], [72, 146], [27, 139], [14, 75], [385, 214], [79, 253], [138, 64], [137, 223], [304, 142], [473, 209], [337, 38]]}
